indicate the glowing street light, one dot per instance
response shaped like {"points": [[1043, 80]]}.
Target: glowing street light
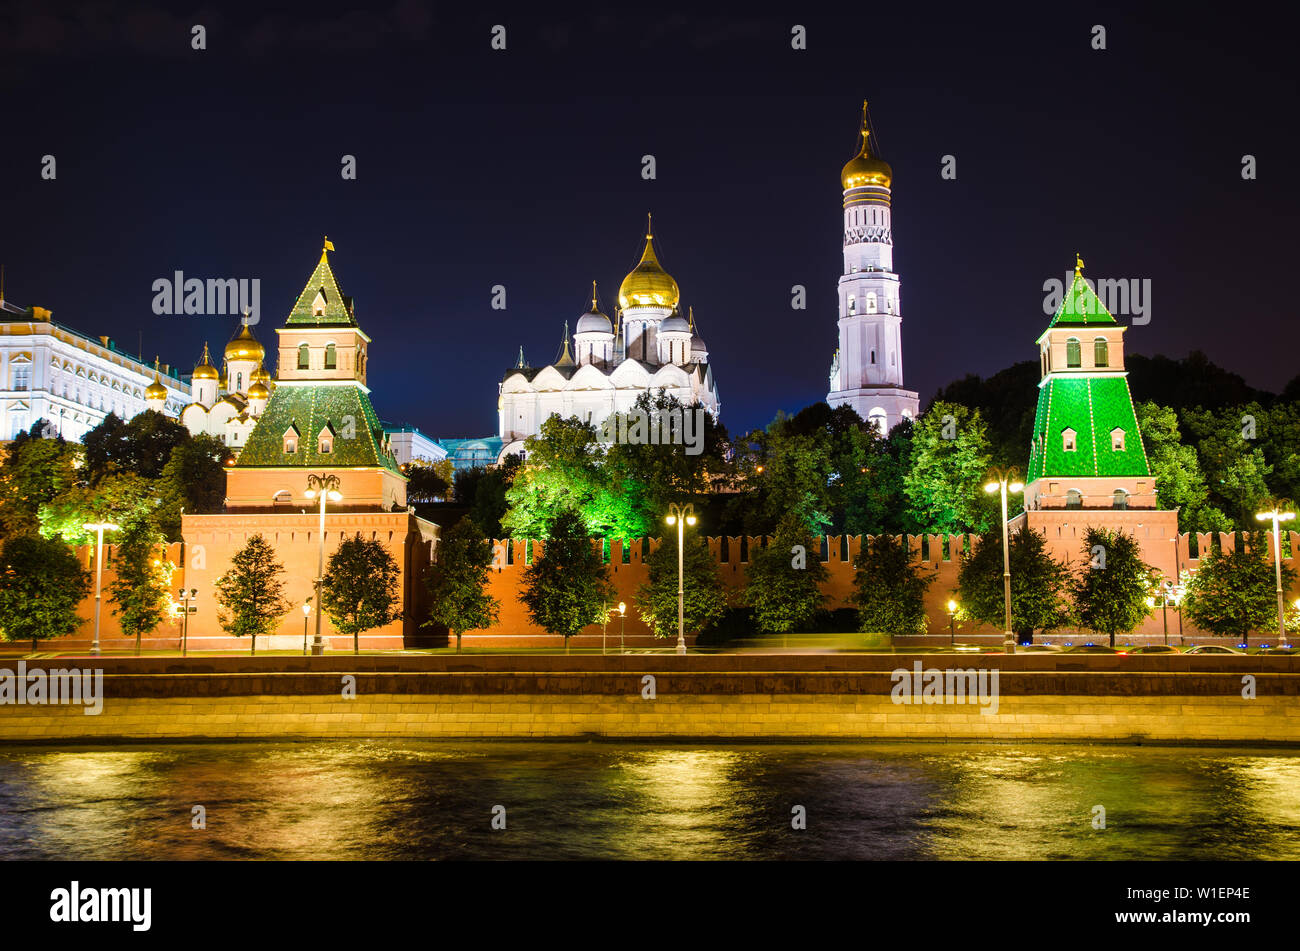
{"points": [[1278, 514], [952, 623], [99, 528], [999, 480], [322, 486], [622, 622], [186, 597], [681, 516], [306, 612]]}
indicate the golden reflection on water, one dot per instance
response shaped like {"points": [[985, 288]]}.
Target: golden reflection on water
{"points": [[359, 799]]}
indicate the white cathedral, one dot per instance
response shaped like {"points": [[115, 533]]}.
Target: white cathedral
{"points": [[867, 371], [228, 405], [648, 348]]}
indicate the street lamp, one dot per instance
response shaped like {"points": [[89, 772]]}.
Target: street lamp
{"points": [[999, 480], [99, 528], [323, 486], [186, 598], [952, 623], [1278, 514], [622, 622], [681, 516], [306, 610]]}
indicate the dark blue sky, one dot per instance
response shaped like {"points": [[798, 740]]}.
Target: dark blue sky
{"points": [[522, 168]]}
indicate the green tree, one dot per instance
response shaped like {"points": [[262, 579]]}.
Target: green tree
{"points": [[1180, 483], [565, 470], [703, 598], [1235, 592], [875, 500], [141, 445], [41, 584], [118, 497], [142, 586], [889, 588], [949, 465], [428, 481], [1038, 583], [567, 587], [783, 580], [1236, 470], [193, 481], [250, 594], [1111, 590], [359, 591], [458, 580], [484, 491], [36, 470]]}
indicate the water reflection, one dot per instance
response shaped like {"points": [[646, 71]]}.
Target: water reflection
{"points": [[413, 800]]}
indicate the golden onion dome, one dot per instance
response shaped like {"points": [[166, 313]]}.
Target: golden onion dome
{"points": [[155, 390], [205, 370], [245, 347], [649, 285], [258, 391], [864, 168], [261, 375]]}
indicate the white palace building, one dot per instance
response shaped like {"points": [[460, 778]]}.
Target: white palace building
{"points": [[649, 347]]}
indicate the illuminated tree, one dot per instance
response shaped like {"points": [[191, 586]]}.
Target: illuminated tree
{"points": [[947, 469], [251, 594], [1038, 583], [41, 584], [458, 580], [142, 586], [784, 579], [1235, 592], [890, 588], [1112, 587], [359, 591], [703, 600], [567, 587]]}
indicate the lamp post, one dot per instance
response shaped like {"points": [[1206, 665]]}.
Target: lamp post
{"points": [[952, 624], [186, 598], [1278, 514], [622, 623], [324, 486], [306, 611], [681, 516], [999, 480], [99, 528]]}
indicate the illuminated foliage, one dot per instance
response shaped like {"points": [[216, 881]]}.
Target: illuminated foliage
{"points": [[889, 588], [947, 469], [566, 589], [359, 592], [1112, 585], [1235, 592], [1038, 583], [41, 584], [250, 594], [141, 590], [458, 580], [783, 583], [703, 597]]}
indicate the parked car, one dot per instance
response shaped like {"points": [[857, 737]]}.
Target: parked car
{"points": [[1213, 649], [1155, 649], [1038, 649], [1091, 649]]}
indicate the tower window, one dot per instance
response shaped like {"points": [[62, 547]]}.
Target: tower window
{"points": [[239, 382], [290, 442], [853, 304], [331, 356], [318, 305], [1120, 500], [871, 302], [325, 444], [1067, 440], [1117, 440], [1074, 499], [22, 376], [1100, 357], [1073, 355], [873, 356], [304, 356]]}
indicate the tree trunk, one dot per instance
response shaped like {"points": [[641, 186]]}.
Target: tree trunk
{"points": [[1112, 640], [566, 643], [33, 643], [458, 642], [356, 642], [137, 643], [254, 640]]}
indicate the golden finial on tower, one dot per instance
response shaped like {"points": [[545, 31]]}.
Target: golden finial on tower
{"points": [[593, 297], [1078, 264], [329, 246], [691, 310], [649, 229]]}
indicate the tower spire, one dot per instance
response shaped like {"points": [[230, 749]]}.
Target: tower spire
{"points": [[1078, 264], [593, 297], [328, 246]]}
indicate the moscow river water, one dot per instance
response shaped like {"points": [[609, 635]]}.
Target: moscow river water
{"points": [[352, 799]]}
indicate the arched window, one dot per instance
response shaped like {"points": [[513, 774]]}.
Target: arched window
{"points": [[873, 356], [853, 304], [318, 304], [1067, 440], [878, 418], [291, 440], [304, 356], [871, 302], [1120, 499], [1073, 354], [239, 382], [1100, 356], [331, 356], [1074, 499]]}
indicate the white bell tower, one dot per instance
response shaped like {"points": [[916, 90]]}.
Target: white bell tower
{"points": [[867, 373]]}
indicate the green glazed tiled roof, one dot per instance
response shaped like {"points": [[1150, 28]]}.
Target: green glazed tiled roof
{"points": [[338, 309], [1081, 307], [1093, 406], [310, 408]]}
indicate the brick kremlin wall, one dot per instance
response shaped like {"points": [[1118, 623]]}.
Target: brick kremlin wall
{"points": [[297, 545]]}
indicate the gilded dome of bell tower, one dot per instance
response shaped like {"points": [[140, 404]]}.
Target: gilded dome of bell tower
{"points": [[864, 168]]}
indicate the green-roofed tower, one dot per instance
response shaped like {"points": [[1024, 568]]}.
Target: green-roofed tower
{"points": [[319, 419], [1086, 451]]}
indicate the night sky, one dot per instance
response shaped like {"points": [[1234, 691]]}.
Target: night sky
{"points": [[523, 168]]}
